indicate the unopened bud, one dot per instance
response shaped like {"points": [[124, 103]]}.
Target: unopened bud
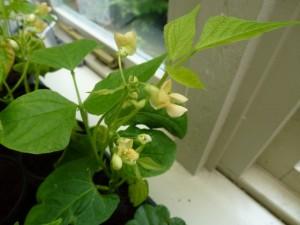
{"points": [[43, 9], [134, 95], [139, 104], [13, 44], [116, 162], [30, 18], [126, 43], [144, 138]]}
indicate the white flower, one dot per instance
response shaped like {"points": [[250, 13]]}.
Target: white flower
{"points": [[43, 9], [126, 43], [126, 152], [164, 98], [144, 138]]}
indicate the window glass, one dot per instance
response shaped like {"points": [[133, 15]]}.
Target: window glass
{"points": [[146, 17]]}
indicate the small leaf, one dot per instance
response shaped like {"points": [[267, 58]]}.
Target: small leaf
{"points": [[138, 192], [66, 56], [179, 35], [161, 150], [154, 215], [70, 194], [222, 30], [148, 164], [99, 104], [38, 122], [185, 77], [160, 119]]}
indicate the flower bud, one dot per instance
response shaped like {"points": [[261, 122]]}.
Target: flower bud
{"points": [[131, 156], [43, 9], [13, 44], [30, 18], [144, 138], [139, 104], [39, 25], [126, 43], [116, 162]]}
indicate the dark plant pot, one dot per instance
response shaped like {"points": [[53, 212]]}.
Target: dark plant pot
{"points": [[12, 189]]}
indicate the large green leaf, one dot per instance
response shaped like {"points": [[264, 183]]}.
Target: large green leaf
{"points": [[99, 104], [39, 122], [69, 193], [162, 150], [221, 30], [185, 77], [160, 119], [154, 215], [66, 56], [179, 35]]}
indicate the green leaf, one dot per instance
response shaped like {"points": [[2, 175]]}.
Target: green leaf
{"points": [[66, 56], [160, 119], [99, 104], [70, 194], [179, 35], [185, 77], [38, 122], [149, 164], [154, 215], [222, 30], [138, 192], [22, 6], [56, 222], [162, 150]]}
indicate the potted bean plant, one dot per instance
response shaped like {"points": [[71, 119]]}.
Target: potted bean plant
{"points": [[101, 174], [22, 25]]}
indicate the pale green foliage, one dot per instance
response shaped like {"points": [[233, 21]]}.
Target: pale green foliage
{"points": [[185, 76], [66, 56], [221, 30], [179, 35], [154, 215], [69, 194], [38, 122]]}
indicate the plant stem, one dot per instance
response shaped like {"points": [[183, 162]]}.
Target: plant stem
{"points": [[5, 19], [84, 117], [26, 85], [121, 70], [163, 79], [23, 76], [9, 91]]}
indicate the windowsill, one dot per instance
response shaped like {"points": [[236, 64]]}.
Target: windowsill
{"points": [[272, 193]]}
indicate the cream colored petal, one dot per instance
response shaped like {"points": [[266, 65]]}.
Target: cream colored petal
{"points": [[159, 100], [178, 98], [167, 86], [174, 110], [125, 143]]}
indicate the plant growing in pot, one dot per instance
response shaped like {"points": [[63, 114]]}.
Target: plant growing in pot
{"points": [[21, 26], [106, 166]]}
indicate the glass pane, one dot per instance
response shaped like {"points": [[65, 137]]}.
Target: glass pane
{"points": [[146, 17]]}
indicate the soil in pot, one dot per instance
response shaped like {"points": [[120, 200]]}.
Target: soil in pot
{"points": [[12, 189]]}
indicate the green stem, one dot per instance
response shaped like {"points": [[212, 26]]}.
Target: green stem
{"points": [[36, 82], [26, 84], [23, 76], [84, 117], [9, 91], [121, 70], [163, 79], [5, 19]]}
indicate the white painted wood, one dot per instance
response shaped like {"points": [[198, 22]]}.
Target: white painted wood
{"points": [[292, 180], [208, 198], [281, 156], [272, 193], [267, 98]]}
